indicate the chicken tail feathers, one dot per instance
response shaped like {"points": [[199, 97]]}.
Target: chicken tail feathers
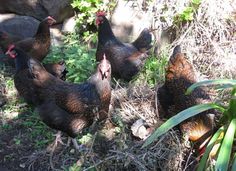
{"points": [[176, 50], [143, 42]]}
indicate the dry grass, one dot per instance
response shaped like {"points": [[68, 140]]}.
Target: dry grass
{"points": [[167, 153], [209, 40]]}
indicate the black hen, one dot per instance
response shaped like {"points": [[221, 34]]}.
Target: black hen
{"points": [[179, 76], [71, 107], [126, 59]]}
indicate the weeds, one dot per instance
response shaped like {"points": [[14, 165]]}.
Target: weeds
{"points": [[153, 71]]}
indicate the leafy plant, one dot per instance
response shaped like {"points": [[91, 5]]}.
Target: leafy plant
{"points": [[153, 70], [85, 17], [80, 61], [188, 13], [224, 136]]}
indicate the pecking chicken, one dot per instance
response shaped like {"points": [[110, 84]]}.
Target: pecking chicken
{"points": [[179, 76], [71, 107], [38, 45], [126, 59], [22, 78]]}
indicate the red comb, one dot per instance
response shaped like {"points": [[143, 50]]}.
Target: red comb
{"points": [[100, 13], [10, 47]]}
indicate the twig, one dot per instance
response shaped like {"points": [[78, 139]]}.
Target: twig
{"points": [[95, 165], [132, 157]]}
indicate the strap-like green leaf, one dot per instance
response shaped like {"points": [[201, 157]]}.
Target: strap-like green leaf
{"points": [[223, 158], [234, 163], [178, 118], [203, 161], [230, 83]]}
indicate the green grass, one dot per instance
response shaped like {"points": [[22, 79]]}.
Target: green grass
{"points": [[153, 71]]}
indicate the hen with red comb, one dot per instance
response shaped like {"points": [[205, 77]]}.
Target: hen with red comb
{"points": [[126, 59]]}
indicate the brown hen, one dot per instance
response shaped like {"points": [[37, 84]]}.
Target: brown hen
{"points": [[38, 46], [179, 76], [72, 107]]}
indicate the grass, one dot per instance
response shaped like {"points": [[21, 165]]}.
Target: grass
{"points": [[153, 71]]}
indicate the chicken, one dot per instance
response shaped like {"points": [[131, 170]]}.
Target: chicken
{"points": [[179, 76], [57, 69], [126, 59], [38, 46], [69, 107], [22, 78]]}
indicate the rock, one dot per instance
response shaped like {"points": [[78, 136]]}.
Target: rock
{"points": [[59, 9], [69, 25], [141, 130], [128, 21], [22, 26], [25, 26], [56, 35]]}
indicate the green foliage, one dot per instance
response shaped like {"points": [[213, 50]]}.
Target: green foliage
{"points": [[85, 17], [188, 13], [86, 138], [38, 128], [75, 167], [80, 61], [222, 162], [153, 71], [223, 137], [178, 118]]}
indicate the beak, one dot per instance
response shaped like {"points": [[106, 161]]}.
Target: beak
{"points": [[104, 74]]}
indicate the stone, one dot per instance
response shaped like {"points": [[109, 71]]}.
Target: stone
{"points": [[69, 25], [40, 9], [128, 21], [25, 26], [22, 26]]}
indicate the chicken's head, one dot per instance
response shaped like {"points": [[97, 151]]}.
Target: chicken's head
{"points": [[3, 35], [50, 20], [100, 17], [104, 68], [11, 52]]}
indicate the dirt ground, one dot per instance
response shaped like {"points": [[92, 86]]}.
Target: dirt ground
{"points": [[26, 143]]}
